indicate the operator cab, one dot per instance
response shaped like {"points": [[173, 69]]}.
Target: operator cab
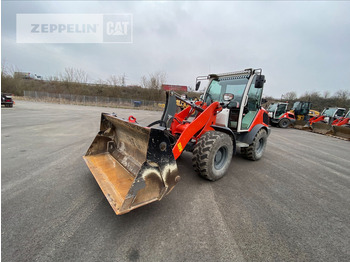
{"points": [[301, 108], [347, 114], [246, 102], [334, 112], [276, 110]]}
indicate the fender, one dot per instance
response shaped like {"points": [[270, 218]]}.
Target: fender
{"points": [[228, 131], [249, 136]]}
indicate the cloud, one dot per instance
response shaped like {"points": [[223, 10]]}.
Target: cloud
{"points": [[301, 46]]}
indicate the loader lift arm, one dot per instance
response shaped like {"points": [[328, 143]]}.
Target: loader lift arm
{"points": [[183, 130], [188, 130]]}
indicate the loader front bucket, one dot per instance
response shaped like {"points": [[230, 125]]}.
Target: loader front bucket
{"points": [[342, 131], [322, 128], [133, 165], [301, 125]]}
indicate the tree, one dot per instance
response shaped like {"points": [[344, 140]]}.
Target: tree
{"points": [[114, 80], [100, 82], [342, 94], [122, 79], [154, 80], [8, 69], [81, 76], [144, 82], [290, 96], [326, 94], [53, 78], [74, 75], [342, 98]]}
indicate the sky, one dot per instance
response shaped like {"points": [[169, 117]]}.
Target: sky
{"points": [[301, 46]]}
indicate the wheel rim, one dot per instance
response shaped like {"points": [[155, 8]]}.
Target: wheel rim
{"points": [[284, 123], [220, 158], [260, 145]]}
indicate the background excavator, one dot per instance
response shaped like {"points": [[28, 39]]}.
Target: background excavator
{"points": [[136, 165]]}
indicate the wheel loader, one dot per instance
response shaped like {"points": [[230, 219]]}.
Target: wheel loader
{"points": [[278, 114], [297, 116], [323, 123], [341, 126], [136, 165], [342, 121]]}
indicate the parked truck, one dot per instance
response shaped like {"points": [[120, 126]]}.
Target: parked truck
{"points": [[6, 100]]}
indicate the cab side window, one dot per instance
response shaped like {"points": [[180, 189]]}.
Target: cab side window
{"points": [[252, 107], [214, 93], [340, 112]]}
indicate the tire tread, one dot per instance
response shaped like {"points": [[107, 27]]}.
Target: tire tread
{"points": [[201, 153]]}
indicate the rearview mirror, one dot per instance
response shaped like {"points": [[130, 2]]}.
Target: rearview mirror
{"points": [[259, 81], [197, 85]]}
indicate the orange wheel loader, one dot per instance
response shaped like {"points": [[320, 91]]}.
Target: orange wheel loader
{"points": [[136, 165]]}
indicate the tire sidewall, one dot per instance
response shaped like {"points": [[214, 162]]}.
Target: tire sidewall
{"points": [[261, 137], [284, 123], [226, 141]]}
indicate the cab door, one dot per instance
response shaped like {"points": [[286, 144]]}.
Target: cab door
{"points": [[280, 110], [339, 113], [251, 104]]}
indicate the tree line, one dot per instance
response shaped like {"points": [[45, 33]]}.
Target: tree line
{"points": [[76, 81], [340, 98]]}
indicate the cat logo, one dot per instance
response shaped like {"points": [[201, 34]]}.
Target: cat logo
{"points": [[117, 28]]}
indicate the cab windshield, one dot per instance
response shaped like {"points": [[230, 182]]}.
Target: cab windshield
{"points": [[296, 105], [218, 87], [329, 112], [272, 108]]}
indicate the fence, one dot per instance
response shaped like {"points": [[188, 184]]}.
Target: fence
{"points": [[93, 100]]}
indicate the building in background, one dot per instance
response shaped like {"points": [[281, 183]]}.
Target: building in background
{"points": [[174, 88], [25, 75]]}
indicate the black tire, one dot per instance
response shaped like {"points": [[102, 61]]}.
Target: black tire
{"points": [[256, 149], [284, 123], [212, 155]]}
